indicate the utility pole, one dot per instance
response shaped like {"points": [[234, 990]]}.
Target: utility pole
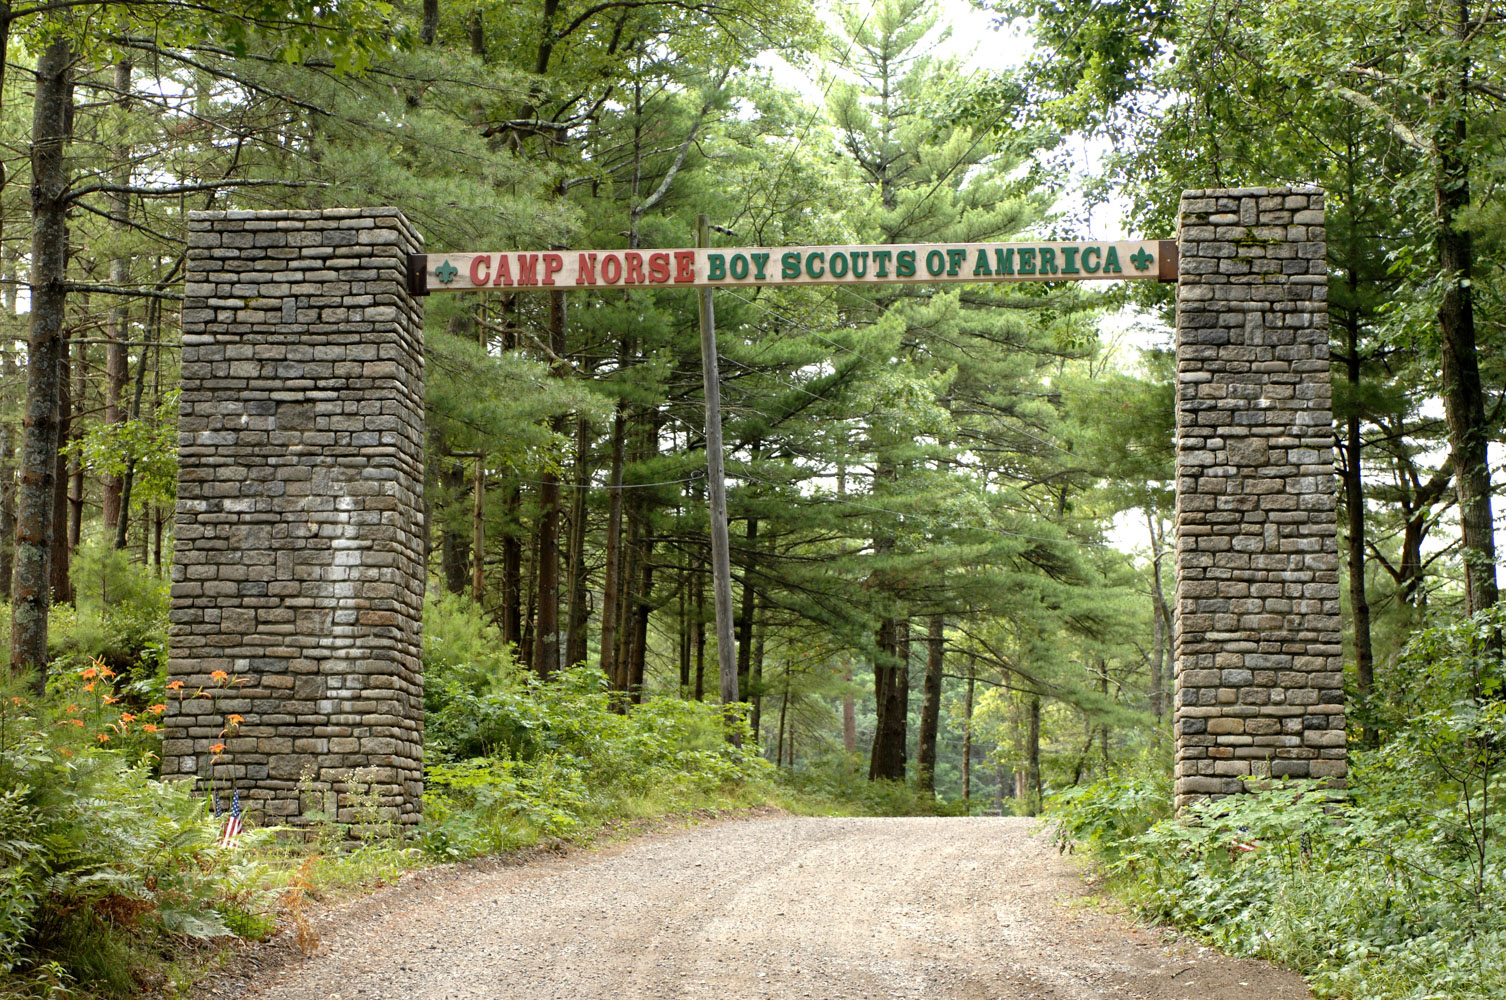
{"points": [[716, 489]]}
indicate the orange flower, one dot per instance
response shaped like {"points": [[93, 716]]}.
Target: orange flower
{"points": [[110, 699], [174, 685], [17, 701], [90, 685], [88, 673], [66, 752], [102, 737], [218, 675], [77, 722], [127, 717], [218, 748], [157, 709], [151, 728], [72, 709], [234, 720]]}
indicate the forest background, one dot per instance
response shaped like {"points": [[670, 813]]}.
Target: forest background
{"points": [[935, 609]]}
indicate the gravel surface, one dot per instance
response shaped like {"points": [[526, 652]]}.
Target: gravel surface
{"points": [[774, 907]]}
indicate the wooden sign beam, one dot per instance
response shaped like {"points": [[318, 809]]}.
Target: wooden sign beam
{"points": [[723, 267]]}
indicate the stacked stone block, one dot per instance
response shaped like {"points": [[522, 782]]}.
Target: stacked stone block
{"points": [[1259, 677], [298, 577]]}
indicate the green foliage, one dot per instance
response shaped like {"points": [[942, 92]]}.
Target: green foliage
{"points": [[101, 861], [560, 762], [1106, 814], [119, 614], [1395, 891], [837, 783]]}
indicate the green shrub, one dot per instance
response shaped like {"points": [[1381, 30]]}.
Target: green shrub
{"points": [[559, 761], [101, 859], [1108, 813], [1395, 890]]}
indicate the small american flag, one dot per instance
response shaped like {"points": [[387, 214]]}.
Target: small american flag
{"points": [[233, 821]]}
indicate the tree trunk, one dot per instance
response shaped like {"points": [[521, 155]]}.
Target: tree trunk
{"points": [[745, 612], [891, 680], [575, 630], [930, 709], [49, 260], [62, 590], [73, 436], [9, 374], [698, 620], [123, 524], [454, 544], [477, 34], [849, 709], [611, 597], [430, 26], [478, 532], [1354, 504], [512, 571], [967, 732], [642, 608], [755, 713], [784, 704], [117, 332], [1033, 756], [1463, 396], [1160, 644]]}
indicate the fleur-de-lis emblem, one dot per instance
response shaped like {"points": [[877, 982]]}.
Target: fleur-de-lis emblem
{"points": [[1142, 260], [446, 272]]}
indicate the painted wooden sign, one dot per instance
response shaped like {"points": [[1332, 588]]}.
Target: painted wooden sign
{"points": [[717, 267]]}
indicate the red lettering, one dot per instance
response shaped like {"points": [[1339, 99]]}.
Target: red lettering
{"points": [[684, 265], [634, 268], [553, 264], [658, 268], [611, 268], [504, 273], [481, 269], [585, 269], [528, 269]]}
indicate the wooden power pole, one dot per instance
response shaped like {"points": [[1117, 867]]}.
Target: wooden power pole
{"points": [[716, 490]]}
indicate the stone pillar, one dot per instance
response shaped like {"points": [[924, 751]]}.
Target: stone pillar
{"points": [[1259, 673], [298, 577]]}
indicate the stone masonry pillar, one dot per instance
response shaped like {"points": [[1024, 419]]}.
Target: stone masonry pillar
{"points": [[298, 577], [1259, 675]]}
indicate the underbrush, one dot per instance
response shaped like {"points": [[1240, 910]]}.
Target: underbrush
{"points": [[1394, 890], [110, 874], [837, 784]]}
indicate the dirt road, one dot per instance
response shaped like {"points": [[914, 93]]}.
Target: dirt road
{"points": [[780, 907]]}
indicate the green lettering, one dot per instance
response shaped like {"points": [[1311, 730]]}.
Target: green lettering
{"points": [[789, 265], [1048, 260], [1004, 261], [1069, 260], [739, 263], [716, 266], [904, 264], [838, 258], [954, 260], [881, 262], [1111, 262], [759, 260], [980, 267], [859, 263], [1093, 266], [1027, 260], [811, 260], [935, 263]]}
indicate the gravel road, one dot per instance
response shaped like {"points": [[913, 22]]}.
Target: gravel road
{"points": [[770, 907]]}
